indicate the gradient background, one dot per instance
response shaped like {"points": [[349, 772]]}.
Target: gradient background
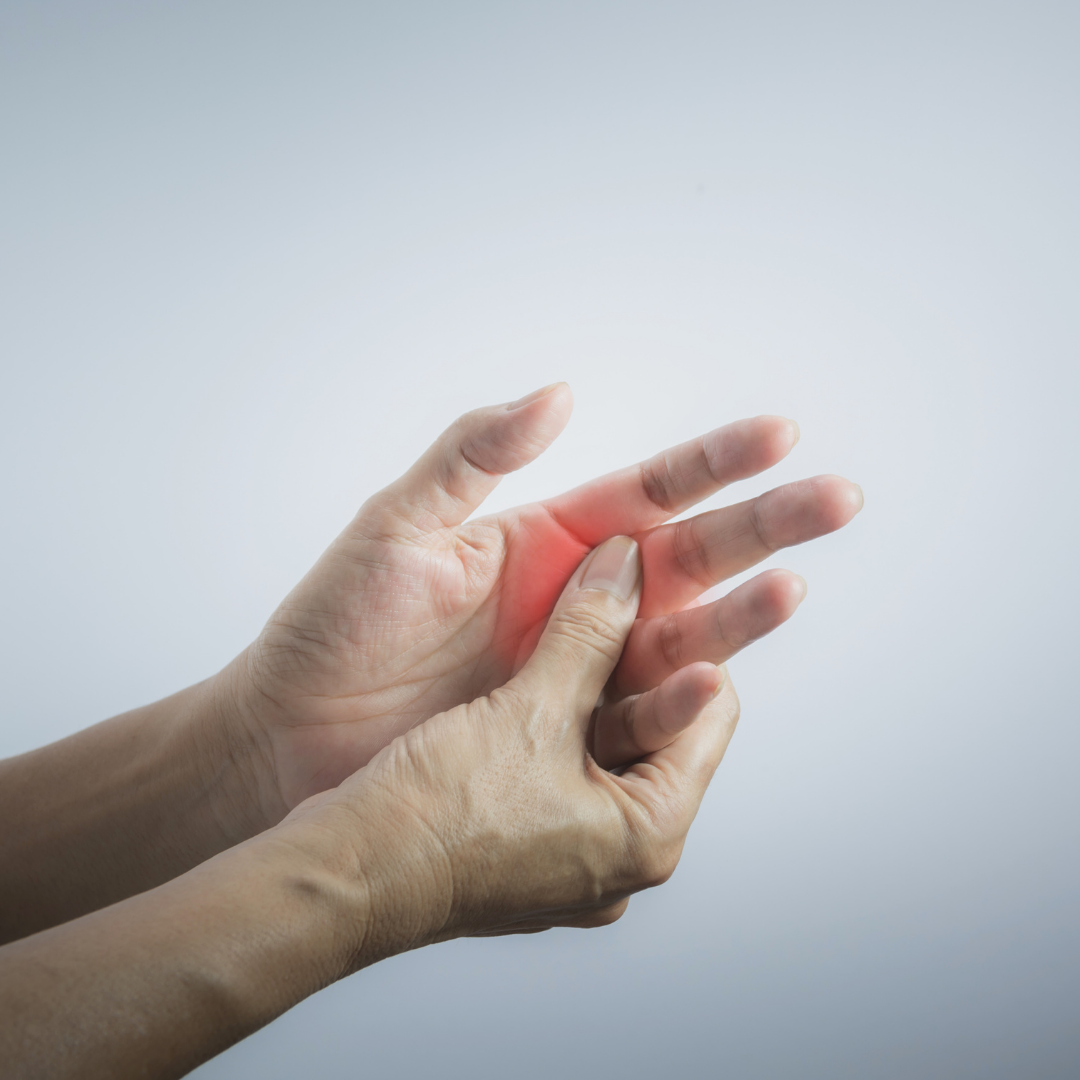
{"points": [[253, 256]]}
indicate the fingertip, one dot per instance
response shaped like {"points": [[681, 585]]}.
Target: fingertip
{"points": [[747, 447], [773, 596], [803, 510], [779, 434], [543, 415], [705, 674], [686, 692], [840, 500], [556, 395], [503, 439], [534, 395], [791, 591]]}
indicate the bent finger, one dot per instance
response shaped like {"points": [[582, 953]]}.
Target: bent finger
{"points": [[670, 783], [713, 632], [626, 730], [581, 918]]}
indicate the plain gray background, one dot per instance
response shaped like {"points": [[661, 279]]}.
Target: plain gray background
{"points": [[253, 257]]}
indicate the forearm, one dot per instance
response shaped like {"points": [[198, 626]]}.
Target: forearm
{"points": [[154, 985], [120, 808]]}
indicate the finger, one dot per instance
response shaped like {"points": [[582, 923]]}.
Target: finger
{"points": [[670, 783], [626, 730], [713, 632], [461, 468], [582, 918], [684, 558], [510, 930], [602, 916], [647, 494], [586, 632]]}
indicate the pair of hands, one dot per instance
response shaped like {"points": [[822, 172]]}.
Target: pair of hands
{"points": [[412, 749], [419, 623]]}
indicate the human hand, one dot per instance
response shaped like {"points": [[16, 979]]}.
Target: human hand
{"points": [[494, 817], [490, 818], [414, 609]]}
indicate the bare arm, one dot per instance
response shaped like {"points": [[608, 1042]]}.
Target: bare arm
{"points": [[490, 818], [116, 809], [414, 609], [158, 983]]}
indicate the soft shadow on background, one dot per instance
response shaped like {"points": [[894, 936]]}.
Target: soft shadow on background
{"points": [[253, 257]]}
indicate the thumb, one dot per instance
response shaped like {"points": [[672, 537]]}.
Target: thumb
{"points": [[585, 635], [465, 463]]}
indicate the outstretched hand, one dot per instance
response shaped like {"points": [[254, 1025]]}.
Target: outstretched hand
{"points": [[415, 609]]}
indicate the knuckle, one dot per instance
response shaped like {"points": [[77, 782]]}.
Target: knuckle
{"points": [[583, 625], [656, 867], [511, 700], [758, 522], [465, 436], [723, 455], [658, 831], [691, 556], [605, 916], [658, 482], [732, 639], [670, 641], [532, 718]]}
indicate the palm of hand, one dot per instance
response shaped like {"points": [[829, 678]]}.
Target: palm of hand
{"points": [[414, 610], [383, 636]]}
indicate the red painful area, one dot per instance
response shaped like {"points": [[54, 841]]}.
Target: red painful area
{"points": [[541, 555]]}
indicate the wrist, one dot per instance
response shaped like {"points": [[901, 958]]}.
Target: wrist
{"points": [[234, 756], [385, 864]]}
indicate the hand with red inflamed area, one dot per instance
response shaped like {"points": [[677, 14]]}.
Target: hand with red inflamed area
{"points": [[417, 607]]}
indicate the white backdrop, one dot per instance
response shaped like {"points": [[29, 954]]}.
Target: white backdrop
{"points": [[253, 257]]}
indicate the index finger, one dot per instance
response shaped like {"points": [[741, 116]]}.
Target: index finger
{"points": [[647, 494], [671, 782]]}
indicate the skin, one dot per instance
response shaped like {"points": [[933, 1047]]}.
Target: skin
{"points": [[415, 608], [413, 611], [492, 817]]}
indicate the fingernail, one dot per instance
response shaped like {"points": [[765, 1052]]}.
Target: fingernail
{"points": [[615, 568], [795, 429], [862, 498], [804, 587], [534, 396]]}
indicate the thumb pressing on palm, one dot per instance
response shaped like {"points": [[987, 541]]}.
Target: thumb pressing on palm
{"points": [[493, 818], [585, 635]]}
